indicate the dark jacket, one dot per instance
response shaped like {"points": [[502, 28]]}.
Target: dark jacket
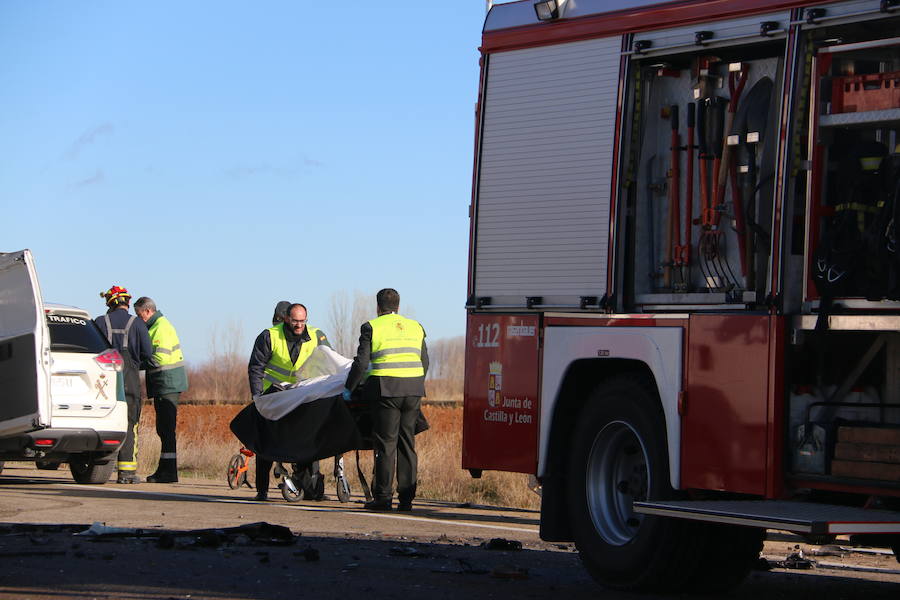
{"points": [[262, 352], [168, 381], [392, 387], [140, 350]]}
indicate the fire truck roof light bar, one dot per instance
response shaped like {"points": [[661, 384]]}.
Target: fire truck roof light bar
{"points": [[767, 29]]}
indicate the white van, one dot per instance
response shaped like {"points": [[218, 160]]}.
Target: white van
{"points": [[62, 397]]}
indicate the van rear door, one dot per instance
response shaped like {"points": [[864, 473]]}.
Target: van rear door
{"points": [[24, 347]]}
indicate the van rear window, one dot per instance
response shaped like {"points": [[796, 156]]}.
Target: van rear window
{"points": [[75, 334]]}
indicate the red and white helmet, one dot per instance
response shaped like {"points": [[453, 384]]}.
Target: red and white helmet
{"points": [[116, 295]]}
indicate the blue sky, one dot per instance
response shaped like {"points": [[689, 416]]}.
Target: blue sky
{"points": [[221, 156]]}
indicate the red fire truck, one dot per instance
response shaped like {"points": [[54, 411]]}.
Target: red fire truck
{"points": [[684, 293]]}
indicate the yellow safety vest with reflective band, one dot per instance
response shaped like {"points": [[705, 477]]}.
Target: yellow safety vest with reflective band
{"points": [[280, 369], [166, 347], [396, 347]]}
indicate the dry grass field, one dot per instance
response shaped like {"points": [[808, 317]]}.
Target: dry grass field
{"points": [[205, 444]]}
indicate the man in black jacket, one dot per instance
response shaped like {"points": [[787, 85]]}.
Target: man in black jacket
{"points": [[277, 354], [127, 334], [393, 358]]}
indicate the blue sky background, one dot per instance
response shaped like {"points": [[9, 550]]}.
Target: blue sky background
{"points": [[221, 156]]}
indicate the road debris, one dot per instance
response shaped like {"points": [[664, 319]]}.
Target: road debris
{"points": [[502, 544], [260, 533], [795, 560]]}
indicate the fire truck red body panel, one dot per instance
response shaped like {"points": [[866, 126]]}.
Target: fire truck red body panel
{"points": [[502, 407], [725, 412]]}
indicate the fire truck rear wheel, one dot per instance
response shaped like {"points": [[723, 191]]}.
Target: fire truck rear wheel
{"points": [[618, 455]]}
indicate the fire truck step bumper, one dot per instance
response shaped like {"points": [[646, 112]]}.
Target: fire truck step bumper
{"points": [[799, 517]]}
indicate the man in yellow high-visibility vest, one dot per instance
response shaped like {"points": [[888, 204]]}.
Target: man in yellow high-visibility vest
{"points": [[392, 358], [278, 353], [165, 383]]}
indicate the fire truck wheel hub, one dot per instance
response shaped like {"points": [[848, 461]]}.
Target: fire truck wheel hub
{"points": [[617, 475]]}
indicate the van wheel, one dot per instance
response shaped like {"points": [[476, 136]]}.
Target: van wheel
{"points": [[619, 455], [86, 469], [1, 466]]}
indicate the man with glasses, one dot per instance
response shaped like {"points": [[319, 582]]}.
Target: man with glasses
{"points": [[277, 355]]}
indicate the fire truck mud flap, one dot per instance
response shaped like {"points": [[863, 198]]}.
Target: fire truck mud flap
{"points": [[618, 456]]}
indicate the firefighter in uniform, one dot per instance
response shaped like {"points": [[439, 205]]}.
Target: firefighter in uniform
{"points": [[277, 355], [127, 334], [165, 383], [393, 359]]}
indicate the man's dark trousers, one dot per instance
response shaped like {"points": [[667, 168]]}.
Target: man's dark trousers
{"points": [[166, 419], [394, 441]]}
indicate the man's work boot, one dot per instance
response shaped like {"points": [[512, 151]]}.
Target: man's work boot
{"points": [[405, 499], [128, 477], [261, 495], [167, 472], [380, 505]]}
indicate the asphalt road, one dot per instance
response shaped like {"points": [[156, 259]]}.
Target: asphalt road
{"points": [[322, 549]]}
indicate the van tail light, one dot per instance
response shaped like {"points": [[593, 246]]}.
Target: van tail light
{"points": [[111, 442], [110, 360], [44, 442]]}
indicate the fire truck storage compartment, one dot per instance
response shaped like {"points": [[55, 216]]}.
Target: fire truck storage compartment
{"points": [[855, 99], [545, 161], [843, 410], [700, 164]]}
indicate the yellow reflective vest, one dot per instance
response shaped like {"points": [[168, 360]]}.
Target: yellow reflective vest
{"points": [[166, 347], [280, 369], [396, 347]]}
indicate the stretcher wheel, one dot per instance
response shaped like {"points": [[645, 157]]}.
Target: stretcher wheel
{"points": [[290, 491], [234, 475], [343, 489]]}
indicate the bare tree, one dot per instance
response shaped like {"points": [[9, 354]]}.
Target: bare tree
{"points": [[223, 377], [446, 369], [339, 332], [447, 358], [345, 318]]}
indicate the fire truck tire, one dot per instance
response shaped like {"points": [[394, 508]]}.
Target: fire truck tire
{"points": [[618, 455]]}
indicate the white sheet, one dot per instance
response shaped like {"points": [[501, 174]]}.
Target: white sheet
{"points": [[322, 375]]}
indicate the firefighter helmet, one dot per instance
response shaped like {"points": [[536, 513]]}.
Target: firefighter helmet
{"points": [[116, 295]]}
